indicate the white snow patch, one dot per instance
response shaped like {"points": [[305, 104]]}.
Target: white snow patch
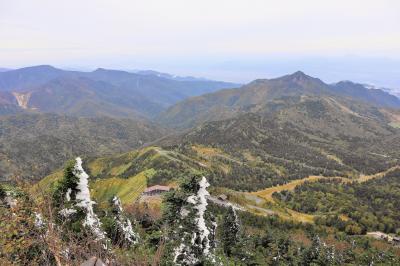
{"points": [[67, 212], [83, 194], [126, 227], [188, 258], [179, 251], [200, 200], [68, 194], [39, 223], [184, 252], [124, 224], [202, 207], [192, 199], [65, 253], [11, 201], [184, 212], [84, 201], [117, 203]]}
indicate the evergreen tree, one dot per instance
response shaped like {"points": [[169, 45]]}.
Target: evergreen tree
{"points": [[73, 204], [230, 231], [67, 184], [321, 254], [3, 193], [119, 227], [192, 228]]}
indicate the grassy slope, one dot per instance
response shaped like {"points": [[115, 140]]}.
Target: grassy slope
{"points": [[128, 190], [124, 175]]}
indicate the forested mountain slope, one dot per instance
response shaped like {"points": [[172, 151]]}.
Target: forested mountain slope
{"points": [[305, 135], [270, 95], [33, 145]]}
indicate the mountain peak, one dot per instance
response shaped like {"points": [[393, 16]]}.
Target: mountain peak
{"points": [[299, 77], [100, 69], [299, 74], [40, 68], [346, 82]]}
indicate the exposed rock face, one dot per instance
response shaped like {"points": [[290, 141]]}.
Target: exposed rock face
{"points": [[22, 99]]}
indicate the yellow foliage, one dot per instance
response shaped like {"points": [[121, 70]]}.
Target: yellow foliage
{"points": [[127, 189]]}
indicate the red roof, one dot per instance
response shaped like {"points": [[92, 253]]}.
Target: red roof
{"points": [[157, 187]]}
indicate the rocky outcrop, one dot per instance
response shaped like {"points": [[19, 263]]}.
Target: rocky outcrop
{"points": [[22, 98]]}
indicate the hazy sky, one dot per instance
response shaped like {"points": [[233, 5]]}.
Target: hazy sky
{"points": [[227, 39]]}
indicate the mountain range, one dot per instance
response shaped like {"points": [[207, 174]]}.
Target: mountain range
{"points": [[289, 128], [268, 95], [169, 76], [100, 92], [295, 123]]}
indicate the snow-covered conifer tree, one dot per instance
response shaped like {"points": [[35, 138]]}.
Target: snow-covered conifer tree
{"points": [[72, 197], [123, 233], [230, 230], [194, 229]]}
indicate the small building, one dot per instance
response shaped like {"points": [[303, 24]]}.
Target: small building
{"points": [[222, 197], [379, 235], [386, 237], [156, 190]]}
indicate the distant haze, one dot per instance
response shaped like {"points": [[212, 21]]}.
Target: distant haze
{"points": [[232, 40]]}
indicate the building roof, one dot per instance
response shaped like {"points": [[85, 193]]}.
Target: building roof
{"points": [[157, 187], [223, 197]]}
